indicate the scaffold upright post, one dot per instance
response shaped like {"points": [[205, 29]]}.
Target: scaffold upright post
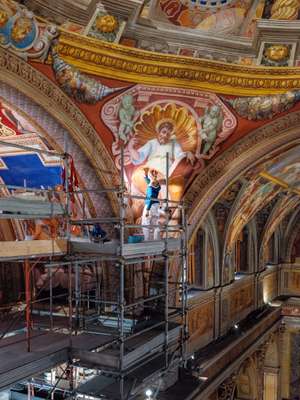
{"points": [[28, 304], [166, 316], [184, 286], [122, 272]]}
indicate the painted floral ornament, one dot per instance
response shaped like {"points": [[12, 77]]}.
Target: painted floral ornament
{"points": [[106, 23]]}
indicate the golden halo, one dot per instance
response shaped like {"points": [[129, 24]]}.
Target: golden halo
{"points": [[163, 121]]}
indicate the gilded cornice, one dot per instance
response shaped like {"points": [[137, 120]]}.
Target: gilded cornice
{"points": [[115, 61], [23, 77]]}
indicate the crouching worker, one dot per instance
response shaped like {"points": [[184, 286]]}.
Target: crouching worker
{"points": [[98, 234]]}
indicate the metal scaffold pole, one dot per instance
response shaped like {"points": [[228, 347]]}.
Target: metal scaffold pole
{"points": [[122, 272], [184, 285], [167, 266], [134, 330], [67, 184], [28, 304]]}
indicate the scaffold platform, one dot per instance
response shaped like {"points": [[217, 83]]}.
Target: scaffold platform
{"points": [[145, 248], [16, 363], [21, 249]]}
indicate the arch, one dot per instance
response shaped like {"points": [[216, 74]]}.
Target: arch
{"points": [[252, 247], [271, 369], [205, 273], [261, 143], [47, 96], [291, 234], [272, 358], [283, 207], [247, 381], [214, 235]]}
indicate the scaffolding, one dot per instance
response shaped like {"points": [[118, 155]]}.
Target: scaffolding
{"points": [[134, 340]]}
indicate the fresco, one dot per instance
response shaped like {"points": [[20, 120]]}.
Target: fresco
{"points": [[286, 168], [210, 262], [76, 84], [250, 28], [281, 9], [18, 166], [264, 107], [224, 19], [240, 300], [20, 31], [29, 169], [153, 122], [294, 378], [255, 195], [201, 320], [286, 205], [277, 54]]}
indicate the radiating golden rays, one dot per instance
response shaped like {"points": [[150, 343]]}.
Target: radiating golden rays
{"points": [[185, 125]]}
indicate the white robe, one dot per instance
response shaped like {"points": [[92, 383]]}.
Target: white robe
{"points": [[155, 155]]}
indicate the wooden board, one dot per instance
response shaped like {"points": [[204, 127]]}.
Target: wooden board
{"points": [[29, 248]]}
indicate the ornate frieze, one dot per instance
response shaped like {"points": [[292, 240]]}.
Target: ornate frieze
{"points": [[134, 65]]}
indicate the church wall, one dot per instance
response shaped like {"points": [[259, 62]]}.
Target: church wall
{"points": [[269, 281], [237, 301], [290, 378], [201, 320], [290, 280]]}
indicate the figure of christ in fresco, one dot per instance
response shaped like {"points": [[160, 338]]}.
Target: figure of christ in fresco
{"points": [[154, 152], [162, 134]]}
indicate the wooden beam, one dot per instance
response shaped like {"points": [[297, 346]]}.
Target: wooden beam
{"points": [[29, 248]]}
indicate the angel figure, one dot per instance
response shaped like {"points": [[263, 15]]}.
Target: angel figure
{"points": [[127, 115], [211, 124]]}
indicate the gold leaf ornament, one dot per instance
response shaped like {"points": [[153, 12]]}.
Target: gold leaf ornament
{"points": [[106, 23], [285, 9]]}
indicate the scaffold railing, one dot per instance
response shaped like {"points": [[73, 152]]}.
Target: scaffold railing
{"points": [[134, 327]]}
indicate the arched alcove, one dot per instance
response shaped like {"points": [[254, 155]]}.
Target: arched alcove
{"points": [[208, 186], [246, 382], [271, 370], [205, 255]]}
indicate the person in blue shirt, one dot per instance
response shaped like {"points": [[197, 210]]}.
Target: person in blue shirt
{"points": [[98, 234], [153, 189], [151, 212]]}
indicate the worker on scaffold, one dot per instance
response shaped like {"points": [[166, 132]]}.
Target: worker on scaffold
{"points": [[152, 211]]}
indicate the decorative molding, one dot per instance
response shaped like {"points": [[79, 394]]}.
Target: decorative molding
{"points": [[208, 186], [134, 65], [23, 77], [226, 389]]}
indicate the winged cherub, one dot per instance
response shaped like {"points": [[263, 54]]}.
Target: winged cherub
{"points": [[211, 124]]}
